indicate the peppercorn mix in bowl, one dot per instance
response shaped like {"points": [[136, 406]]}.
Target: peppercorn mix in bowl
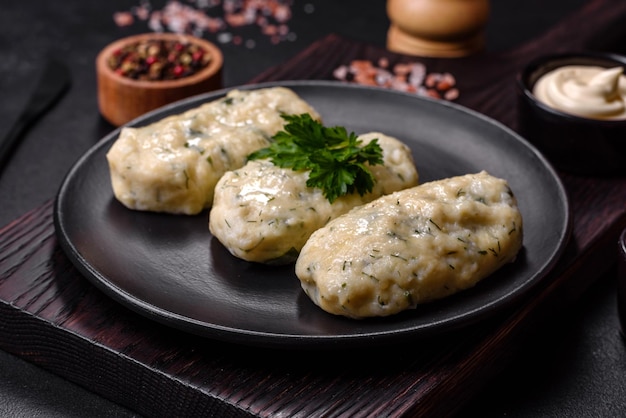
{"points": [[572, 106], [143, 72]]}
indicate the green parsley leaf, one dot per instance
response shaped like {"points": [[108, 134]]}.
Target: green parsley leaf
{"points": [[337, 162]]}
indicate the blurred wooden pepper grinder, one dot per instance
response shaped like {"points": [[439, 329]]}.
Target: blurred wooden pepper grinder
{"points": [[437, 28]]}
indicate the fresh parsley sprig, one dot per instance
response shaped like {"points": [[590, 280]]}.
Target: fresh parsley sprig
{"points": [[337, 162]]}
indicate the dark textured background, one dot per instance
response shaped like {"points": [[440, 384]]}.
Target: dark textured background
{"points": [[577, 369]]}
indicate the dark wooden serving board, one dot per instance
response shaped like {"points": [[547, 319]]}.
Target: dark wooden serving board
{"points": [[52, 317]]}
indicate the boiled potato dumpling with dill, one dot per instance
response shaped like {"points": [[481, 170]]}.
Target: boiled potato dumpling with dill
{"points": [[265, 213], [172, 165], [412, 246]]}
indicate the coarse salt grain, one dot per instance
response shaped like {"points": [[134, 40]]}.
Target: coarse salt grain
{"points": [[123, 19], [410, 77], [271, 16]]}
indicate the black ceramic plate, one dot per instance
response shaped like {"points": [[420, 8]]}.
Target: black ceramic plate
{"points": [[172, 270]]}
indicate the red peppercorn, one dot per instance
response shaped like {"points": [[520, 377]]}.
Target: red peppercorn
{"points": [[179, 70]]}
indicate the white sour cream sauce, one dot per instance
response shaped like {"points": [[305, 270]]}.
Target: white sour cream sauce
{"points": [[173, 165], [588, 91], [412, 246], [264, 213]]}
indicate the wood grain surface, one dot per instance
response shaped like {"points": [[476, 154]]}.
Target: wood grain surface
{"points": [[52, 317]]}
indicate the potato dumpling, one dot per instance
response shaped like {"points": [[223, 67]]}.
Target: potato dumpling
{"points": [[264, 213], [412, 246], [173, 165]]}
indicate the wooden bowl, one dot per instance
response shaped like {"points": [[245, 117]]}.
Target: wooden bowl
{"points": [[437, 28], [122, 99]]}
